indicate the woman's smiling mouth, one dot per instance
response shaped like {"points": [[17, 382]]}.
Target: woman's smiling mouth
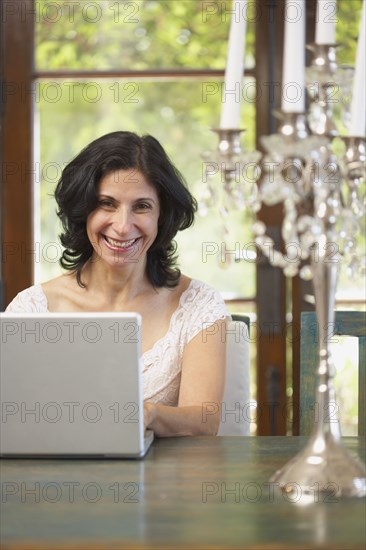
{"points": [[120, 245]]}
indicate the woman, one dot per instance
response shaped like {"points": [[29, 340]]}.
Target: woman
{"points": [[121, 203]]}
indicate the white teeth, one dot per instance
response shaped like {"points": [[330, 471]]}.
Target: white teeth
{"points": [[120, 244]]}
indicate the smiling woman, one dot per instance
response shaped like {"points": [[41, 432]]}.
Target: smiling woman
{"points": [[119, 174], [121, 202], [125, 223]]}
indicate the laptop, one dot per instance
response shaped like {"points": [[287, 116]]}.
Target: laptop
{"points": [[71, 385]]}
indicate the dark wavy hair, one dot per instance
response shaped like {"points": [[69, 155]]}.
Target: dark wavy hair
{"points": [[76, 195]]}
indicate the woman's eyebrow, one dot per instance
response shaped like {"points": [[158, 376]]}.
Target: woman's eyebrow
{"points": [[138, 199], [146, 199], [105, 195]]}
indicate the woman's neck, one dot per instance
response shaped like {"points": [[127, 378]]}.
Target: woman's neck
{"points": [[115, 285]]}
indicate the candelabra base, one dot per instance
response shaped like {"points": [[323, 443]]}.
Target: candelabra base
{"points": [[323, 466]]}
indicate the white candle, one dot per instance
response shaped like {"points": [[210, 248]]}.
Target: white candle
{"points": [[358, 107], [326, 16], [232, 88], [293, 75]]}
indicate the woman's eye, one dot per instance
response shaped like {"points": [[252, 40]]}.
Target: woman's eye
{"points": [[106, 203], [143, 206]]}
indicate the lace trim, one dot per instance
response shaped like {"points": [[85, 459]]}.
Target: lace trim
{"points": [[30, 300], [209, 307]]}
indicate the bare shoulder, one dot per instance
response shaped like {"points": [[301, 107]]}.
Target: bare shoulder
{"points": [[167, 299], [176, 292], [184, 283], [57, 289]]}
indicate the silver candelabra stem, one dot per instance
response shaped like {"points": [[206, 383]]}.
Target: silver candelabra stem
{"points": [[316, 204], [324, 464]]}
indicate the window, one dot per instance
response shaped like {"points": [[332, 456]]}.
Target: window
{"points": [[152, 67]]}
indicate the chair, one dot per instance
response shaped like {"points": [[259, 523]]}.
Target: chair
{"points": [[235, 417], [349, 323]]}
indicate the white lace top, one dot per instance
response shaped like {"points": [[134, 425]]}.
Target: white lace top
{"points": [[199, 306]]}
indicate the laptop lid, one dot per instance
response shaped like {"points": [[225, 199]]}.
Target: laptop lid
{"points": [[71, 385]]}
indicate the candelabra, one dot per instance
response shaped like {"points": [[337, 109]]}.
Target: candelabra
{"points": [[323, 201]]}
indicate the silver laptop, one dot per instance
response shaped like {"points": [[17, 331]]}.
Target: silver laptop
{"points": [[71, 385]]}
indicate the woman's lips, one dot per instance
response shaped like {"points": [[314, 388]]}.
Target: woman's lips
{"points": [[116, 244]]}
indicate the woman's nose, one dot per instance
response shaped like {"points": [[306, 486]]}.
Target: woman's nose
{"points": [[122, 220]]}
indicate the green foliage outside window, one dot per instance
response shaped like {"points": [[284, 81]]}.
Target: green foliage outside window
{"points": [[176, 110], [136, 35]]}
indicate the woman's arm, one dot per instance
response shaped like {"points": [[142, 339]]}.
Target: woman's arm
{"points": [[201, 388]]}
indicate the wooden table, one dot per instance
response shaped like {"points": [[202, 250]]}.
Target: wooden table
{"points": [[198, 493]]}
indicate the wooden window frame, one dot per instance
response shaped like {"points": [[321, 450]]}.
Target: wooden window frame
{"points": [[16, 148]]}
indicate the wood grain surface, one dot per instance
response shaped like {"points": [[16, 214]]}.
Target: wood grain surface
{"points": [[188, 493]]}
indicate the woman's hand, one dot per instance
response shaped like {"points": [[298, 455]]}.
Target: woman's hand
{"points": [[149, 414]]}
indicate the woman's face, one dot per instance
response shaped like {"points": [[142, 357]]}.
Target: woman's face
{"points": [[125, 223]]}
